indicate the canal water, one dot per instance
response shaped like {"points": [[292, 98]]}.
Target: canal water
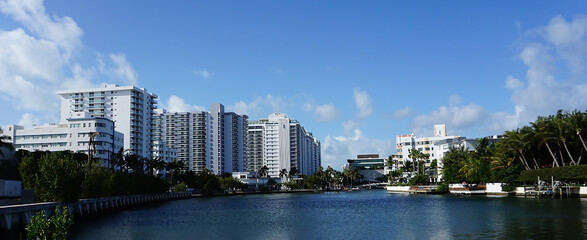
{"points": [[374, 214]]}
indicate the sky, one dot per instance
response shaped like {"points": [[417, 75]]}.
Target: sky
{"points": [[354, 73]]}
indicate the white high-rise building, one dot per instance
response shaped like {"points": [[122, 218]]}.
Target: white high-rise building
{"points": [[131, 109], [73, 134], [160, 149], [214, 140], [281, 143]]}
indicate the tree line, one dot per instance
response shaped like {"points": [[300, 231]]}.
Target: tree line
{"points": [[549, 142]]}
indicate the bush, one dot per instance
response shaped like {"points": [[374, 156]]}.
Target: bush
{"points": [[419, 179], [56, 176], [180, 187], [576, 172], [56, 227], [98, 182], [442, 187]]}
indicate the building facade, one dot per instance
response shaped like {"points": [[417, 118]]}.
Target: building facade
{"points": [[214, 140], [434, 146], [73, 134], [281, 143], [131, 108]]}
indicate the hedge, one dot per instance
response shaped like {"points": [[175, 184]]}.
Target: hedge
{"points": [[576, 172]]}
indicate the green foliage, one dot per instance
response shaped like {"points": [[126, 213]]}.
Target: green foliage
{"points": [[98, 181], [442, 187], [180, 187], [66, 177], [313, 182], [229, 182], [570, 173], [452, 164], [295, 184], [56, 227], [58, 177], [419, 179]]}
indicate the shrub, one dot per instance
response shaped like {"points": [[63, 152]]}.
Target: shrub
{"points": [[180, 187], [56, 227], [442, 187], [576, 172], [419, 179]]}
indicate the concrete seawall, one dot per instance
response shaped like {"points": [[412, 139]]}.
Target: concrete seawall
{"points": [[14, 218]]}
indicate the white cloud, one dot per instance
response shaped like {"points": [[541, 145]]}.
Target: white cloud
{"points": [[553, 55], [37, 60], [363, 103], [457, 118], [337, 149], [203, 73], [568, 38], [513, 83], [560, 43], [61, 31], [403, 113], [177, 104], [349, 126], [28, 120], [124, 70], [324, 113], [259, 107], [454, 100]]}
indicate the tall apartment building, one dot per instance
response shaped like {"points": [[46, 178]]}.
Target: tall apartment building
{"points": [[281, 143], [131, 108], [214, 140], [73, 134]]}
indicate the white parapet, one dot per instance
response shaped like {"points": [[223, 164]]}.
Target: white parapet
{"points": [[494, 188], [398, 188]]}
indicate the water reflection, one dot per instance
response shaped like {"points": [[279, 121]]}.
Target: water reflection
{"points": [[351, 215]]}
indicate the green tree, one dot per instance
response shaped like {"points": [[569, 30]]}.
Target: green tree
{"points": [[293, 172], [283, 174], [57, 177], [452, 162], [98, 181], [55, 227]]}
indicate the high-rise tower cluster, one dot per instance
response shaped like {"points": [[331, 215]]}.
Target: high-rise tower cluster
{"points": [[222, 142]]}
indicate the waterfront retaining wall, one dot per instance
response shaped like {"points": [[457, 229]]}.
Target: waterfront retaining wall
{"points": [[14, 218], [494, 189], [398, 188]]}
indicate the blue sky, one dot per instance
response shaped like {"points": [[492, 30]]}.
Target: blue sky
{"points": [[356, 74]]}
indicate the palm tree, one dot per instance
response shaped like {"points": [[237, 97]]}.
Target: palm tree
{"points": [[264, 171], [543, 131], [282, 174], [513, 139], [174, 166], [502, 163], [293, 172], [471, 168], [414, 155], [576, 121], [561, 129]]}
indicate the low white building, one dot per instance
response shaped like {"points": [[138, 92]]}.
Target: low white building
{"points": [[73, 134], [434, 146]]}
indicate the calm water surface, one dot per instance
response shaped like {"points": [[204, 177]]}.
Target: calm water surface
{"points": [[347, 215]]}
